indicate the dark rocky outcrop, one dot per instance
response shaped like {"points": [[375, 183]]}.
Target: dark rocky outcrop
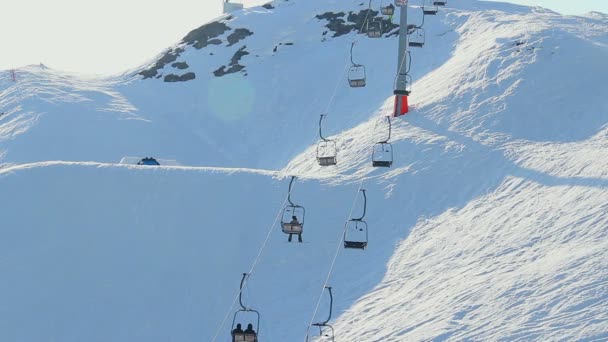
{"points": [[238, 35], [183, 78], [234, 65], [340, 26], [204, 35], [268, 6], [180, 65], [199, 38], [168, 57]]}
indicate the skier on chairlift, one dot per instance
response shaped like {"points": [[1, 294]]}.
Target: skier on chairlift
{"points": [[238, 329], [249, 329], [294, 221]]}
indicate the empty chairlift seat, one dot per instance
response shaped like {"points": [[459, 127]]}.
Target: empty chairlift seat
{"points": [[326, 153], [357, 76], [382, 155], [327, 150], [388, 10], [416, 37], [382, 151], [355, 231], [374, 28], [440, 3], [429, 7], [355, 234]]}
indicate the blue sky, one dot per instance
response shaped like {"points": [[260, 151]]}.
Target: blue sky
{"points": [[110, 36]]}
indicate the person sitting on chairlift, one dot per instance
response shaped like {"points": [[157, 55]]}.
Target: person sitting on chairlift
{"points": [[294, 221], [238, 329], [249, 329]]}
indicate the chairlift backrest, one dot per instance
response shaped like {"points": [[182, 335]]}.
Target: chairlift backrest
{"points": [[417, 37], [326, 149], [388, 10], [374, 28], [429, 7]]}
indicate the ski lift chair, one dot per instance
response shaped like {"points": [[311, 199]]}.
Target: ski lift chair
{"points": [[148, 161], [357, 76], [326, 153], [355, 231], [429, 7], [440, 3], [417, 37], [374, 28], [327, 150], [356, 73], [382, 152], [292, 221], [244, 336], [355, 234], [388, 10], [328, 335], [382, 155], [288, 224]]}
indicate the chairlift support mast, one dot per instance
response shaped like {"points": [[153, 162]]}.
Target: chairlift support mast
{"points": [[401, 90]]}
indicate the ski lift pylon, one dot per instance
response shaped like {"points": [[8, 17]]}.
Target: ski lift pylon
{"points": [[355, 232], [292, 221], [237, 333], [326, 149], [356, 73], [326, 331]]}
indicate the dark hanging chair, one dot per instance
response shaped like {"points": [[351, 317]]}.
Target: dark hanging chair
{"points": [[326, 331], [416, 37], [355, 232], [250, 334], [327, 150], [356, 73], [292, 221], [429, 7], [382, 153], [388, 10], [374, 28]]}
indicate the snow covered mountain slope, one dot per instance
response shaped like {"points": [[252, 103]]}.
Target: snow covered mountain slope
{"points": [[490, 226]]}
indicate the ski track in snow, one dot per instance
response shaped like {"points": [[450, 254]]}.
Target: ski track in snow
{"points": [[490, 226]]}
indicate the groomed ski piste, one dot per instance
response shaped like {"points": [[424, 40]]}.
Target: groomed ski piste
{"points": [[491, 224]]}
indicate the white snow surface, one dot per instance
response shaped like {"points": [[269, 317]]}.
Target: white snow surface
{"points": [[492, 224]]}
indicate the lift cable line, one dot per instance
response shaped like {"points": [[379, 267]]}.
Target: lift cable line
{"points": [[332, 264], [252, 269]]}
